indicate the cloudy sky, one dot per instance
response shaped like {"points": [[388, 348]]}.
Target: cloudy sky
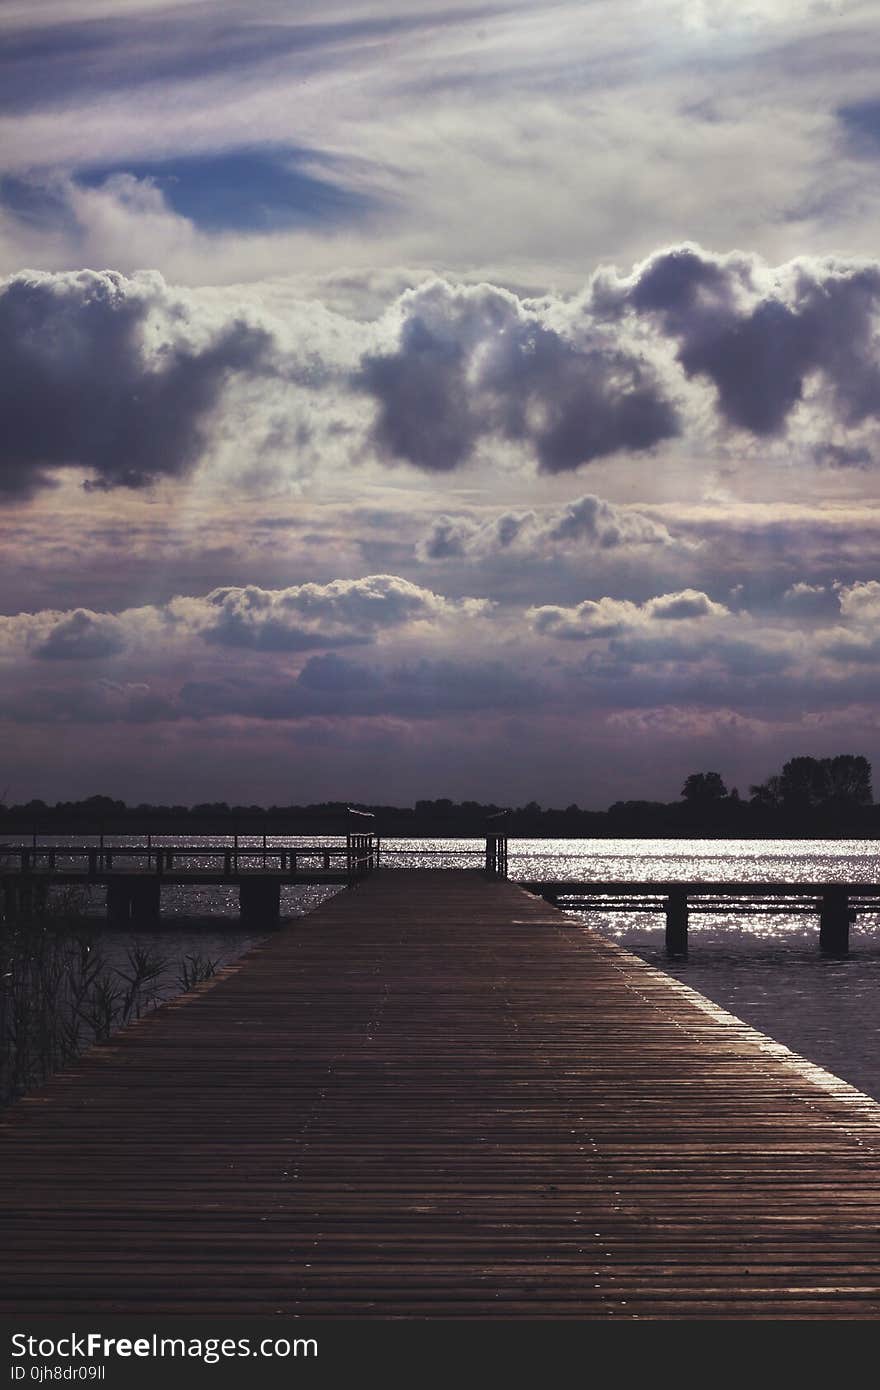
{"points": [[443, 399]]}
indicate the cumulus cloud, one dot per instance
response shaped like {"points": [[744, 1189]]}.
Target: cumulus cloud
{"points": [[474, 362], [589, 522], [309, 615], [129, 380], [108, 374], [609, 617], [761, 335], [860, 603], [303, 616], [82, 636]]}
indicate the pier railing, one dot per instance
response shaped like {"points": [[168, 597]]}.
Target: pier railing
{"points": [[362, 844], [94, 862], [133, 874], [496, 845]]}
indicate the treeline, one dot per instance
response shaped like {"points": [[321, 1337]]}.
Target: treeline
{"points": [[808, 797]]}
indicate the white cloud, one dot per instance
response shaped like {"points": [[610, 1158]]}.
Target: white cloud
{"points": [[860, 603], [299, 618], [610, 617], [589, 523]]}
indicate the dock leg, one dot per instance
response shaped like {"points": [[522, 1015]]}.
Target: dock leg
{"points": [[677, 923], [260, 901], [146, 899], [834, 922], [118, 904]]}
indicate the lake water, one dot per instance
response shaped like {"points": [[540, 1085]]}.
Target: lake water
{"points": [[767, 970]]}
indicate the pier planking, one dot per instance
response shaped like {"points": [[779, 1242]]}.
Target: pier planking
{"points": [[438, 1096]]}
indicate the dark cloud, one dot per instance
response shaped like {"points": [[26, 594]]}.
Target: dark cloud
{"points": [[734, 660], [447, 539], [810, 600], [80, 387], [332, 685], [843, 456], [427, 414], [472, 363], [758, 336], [88, 702]]}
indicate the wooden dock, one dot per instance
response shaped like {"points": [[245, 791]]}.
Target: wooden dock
{"points": [[437, 1096], [134, 875], [834, 904]]}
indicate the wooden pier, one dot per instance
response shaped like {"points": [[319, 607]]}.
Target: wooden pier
{"points": [[438, 1096], [134, 875], [835, 905]]}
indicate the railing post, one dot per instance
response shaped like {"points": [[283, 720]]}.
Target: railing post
{"points": [[677, 922], [834, 922]]}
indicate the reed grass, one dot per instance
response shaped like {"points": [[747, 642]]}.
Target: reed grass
{"points": [[59, 994]]}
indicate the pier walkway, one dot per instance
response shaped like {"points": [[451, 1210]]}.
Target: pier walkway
{"points": [[438, 1096]]}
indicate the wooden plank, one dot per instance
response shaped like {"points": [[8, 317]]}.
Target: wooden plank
{"points": [[436, 1096]]}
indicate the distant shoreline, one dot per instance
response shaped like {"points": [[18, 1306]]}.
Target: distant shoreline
{"points": [[517, 829]]}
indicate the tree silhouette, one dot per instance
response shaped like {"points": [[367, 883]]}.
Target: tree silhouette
{"points": [[702, 788]]}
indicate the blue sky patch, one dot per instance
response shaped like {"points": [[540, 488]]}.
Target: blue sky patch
{"points": [[243, 190], [862, 122], [33, 201]]}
